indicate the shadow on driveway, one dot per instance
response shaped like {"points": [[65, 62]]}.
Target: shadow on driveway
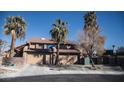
{"points": [[67, 78]]}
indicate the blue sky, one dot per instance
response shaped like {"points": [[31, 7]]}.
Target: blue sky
{"points": [[40, 23]]}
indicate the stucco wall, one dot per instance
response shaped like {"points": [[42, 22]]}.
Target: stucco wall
{"points": [[67, 59], [34, 58], [1, 60]]}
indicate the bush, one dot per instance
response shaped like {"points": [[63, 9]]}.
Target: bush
{"points": [[7, 61]]}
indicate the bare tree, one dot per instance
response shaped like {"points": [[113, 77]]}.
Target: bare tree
{"points": [[3, 47], [90, 39], [0, 45]]}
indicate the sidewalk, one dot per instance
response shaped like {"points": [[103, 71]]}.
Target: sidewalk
{"points": [[34, 70]]}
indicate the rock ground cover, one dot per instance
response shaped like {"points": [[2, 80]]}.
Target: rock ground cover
{"points": [[32, 70]]}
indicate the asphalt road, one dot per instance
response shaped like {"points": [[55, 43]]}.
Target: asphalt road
{"points": [[67, 78]]}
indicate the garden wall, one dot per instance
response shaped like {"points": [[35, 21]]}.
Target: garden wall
{"points": [[108, 60], [34, 58], [16, 61]]}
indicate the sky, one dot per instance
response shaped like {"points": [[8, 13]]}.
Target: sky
{"points": [[39, 23]]}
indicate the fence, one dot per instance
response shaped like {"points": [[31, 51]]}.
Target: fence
{"points": [[107, 60]]}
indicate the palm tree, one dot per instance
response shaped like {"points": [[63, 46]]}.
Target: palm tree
{"points": [[58, 34], [16, 27]]}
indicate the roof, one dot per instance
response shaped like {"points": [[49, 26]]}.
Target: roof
{"points": [[18, 48], [61, 51], [69, 51], [45, 41], [41, 40]]}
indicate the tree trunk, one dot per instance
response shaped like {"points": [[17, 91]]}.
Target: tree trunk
{"points": [[90, 56], [1, 46], [92, 63], [57, 55], [91, 60], [0, 49], [12, 43]]}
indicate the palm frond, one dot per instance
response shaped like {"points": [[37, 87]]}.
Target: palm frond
{"points": [[16, 23], [59, 31]]}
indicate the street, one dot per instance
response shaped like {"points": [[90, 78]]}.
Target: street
{"points": [[67, 78]]}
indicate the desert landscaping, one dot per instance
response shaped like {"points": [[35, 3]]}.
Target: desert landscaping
{"points": [[58, 57]]}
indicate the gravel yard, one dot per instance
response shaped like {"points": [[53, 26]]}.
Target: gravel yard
{"points": [[3, 71], [33, 70], [71, 73]]}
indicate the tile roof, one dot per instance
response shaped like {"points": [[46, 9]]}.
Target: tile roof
{"points": [[41, 40], [45, 41]]}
